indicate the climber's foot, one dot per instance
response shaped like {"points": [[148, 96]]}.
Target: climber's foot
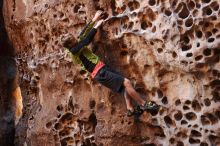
{"points": [[150, 106], [136, 112], [130, 113]]}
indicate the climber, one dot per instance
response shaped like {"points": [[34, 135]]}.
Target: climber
{"points": [[100, 72]]}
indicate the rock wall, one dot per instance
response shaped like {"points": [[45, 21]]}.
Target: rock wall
{"points": [[170, 50]]}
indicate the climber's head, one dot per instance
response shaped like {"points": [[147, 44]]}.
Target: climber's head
{"points": [[69, 42]]}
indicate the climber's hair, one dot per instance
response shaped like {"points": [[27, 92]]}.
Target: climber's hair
{"points": [[69, 42]]}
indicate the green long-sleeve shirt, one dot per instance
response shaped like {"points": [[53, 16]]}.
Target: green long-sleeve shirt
{"points": [[85, 50]]}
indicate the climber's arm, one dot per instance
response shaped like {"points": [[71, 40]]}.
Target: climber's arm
{"points": [[86, 30], [82, 43], [90, 25]]}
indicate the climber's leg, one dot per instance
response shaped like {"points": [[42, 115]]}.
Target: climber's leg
{"points": [[131, 91], [128, 101], [147, 106]]}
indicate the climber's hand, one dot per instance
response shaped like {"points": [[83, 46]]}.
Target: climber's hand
{"points": [[99, 23], [97, 15]]}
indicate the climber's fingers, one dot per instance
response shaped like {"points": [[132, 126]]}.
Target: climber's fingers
{"points": [[97, 15]]}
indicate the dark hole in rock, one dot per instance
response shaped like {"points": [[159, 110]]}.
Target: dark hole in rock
{"points": [[217, 114], [183, 122], [195, 126], [215, 6], [58, 126], [198, 5], [200, 65], [48, 125], [159, 93], [204, 120], [186, 39], [187, 102], [191, 5], [186, 48], [194, 141], [212, 118], [196, 106], [164, 100], [180, 143], [59, 115], [198, 45], [181, 135], [197, 58], [214, 17], [208, 34], [92, 104], [180, 22], [133, 5], [154, 28], [144, 25], [168, 12], [178, 116], [66, 117], [185, 12], [210, 40], [215, 72], [59, 108], [168, 121], [189, 22], [207, 102], [215, 83], [177, 102], [189, 55], [130, 25], [208, 11], [185, 107], [195, 133], [207, 52], [63, 143], [199, 34], [61, 14], [152, 2], [174, 55], [124, 53], [189, 125], [172, 140], [159, 50], [93, 120], [213, 138], [203, 144], [190, 116], [206, 1], [184, 62], [214, 30]]}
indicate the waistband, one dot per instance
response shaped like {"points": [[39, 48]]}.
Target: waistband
{"points": [[97, 68]]}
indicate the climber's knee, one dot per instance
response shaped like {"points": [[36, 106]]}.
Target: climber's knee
{"points": [[127, 83]]}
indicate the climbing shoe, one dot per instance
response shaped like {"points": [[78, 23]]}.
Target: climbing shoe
{"points": [[150, 106], [130, 113], [137, 112]]}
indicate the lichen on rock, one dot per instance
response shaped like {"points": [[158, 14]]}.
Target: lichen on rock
{"points": [[170, 49]]}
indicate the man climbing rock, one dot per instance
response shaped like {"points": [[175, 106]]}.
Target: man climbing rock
{"points": [[100, 72]]}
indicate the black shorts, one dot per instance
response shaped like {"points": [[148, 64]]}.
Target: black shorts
{"points": [[110, 79]]}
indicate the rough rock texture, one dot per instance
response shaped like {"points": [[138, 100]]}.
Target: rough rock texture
{"points": [[170, 49]]}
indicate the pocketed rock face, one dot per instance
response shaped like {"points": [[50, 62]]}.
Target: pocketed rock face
{"points": [[170, 49]]}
